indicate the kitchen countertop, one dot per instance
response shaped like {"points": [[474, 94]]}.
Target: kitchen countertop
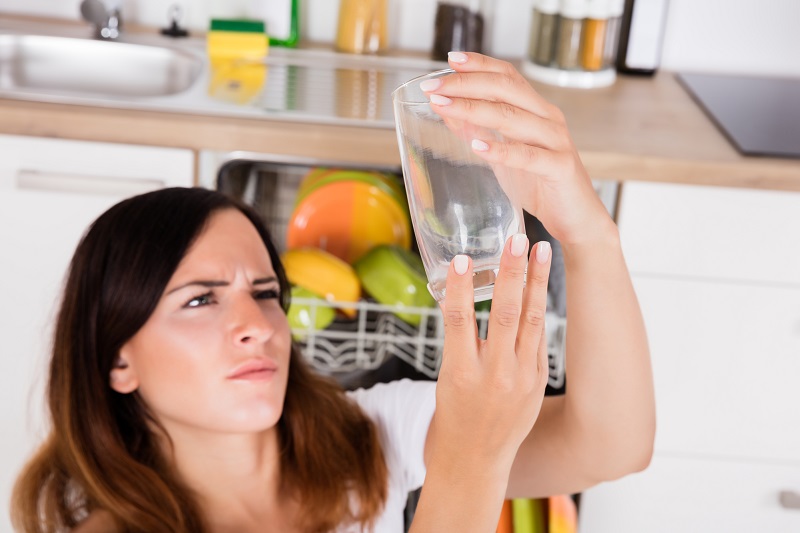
{"points": [[637, 129]]}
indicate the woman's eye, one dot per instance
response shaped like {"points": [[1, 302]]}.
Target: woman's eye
{"points": [[199, 301], [268, 294]]}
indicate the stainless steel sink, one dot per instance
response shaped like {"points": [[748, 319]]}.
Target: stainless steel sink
{"points": [[65, 65]]}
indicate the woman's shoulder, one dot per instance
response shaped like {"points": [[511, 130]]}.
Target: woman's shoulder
{"points": [[99, 521]]}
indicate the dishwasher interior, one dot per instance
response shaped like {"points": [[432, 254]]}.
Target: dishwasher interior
{"points": [[376, 345]]}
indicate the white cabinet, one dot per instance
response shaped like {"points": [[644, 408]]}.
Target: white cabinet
{"points": [[717, 274], [50, 191], [692, 495], [726, 366], [711, 232]]}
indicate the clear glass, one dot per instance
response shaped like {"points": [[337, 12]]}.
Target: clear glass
{"points": [[459, 203]]}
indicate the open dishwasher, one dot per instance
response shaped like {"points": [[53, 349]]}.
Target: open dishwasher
{"points": [[376, 345]]}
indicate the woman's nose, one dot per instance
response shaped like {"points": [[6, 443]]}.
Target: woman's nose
{"points": [[250, 324]]}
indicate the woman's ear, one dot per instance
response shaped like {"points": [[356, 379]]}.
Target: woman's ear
{"points": [[123, 378]]}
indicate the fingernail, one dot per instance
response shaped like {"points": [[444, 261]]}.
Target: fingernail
{"points": [[543, 252], [438, 99], [519, 243], [479, 146], [460, 264], [457, 57], [430, 85]]}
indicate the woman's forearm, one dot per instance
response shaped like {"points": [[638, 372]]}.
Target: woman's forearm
{"points": [[465, 484], [460, 497], [610, 386]]}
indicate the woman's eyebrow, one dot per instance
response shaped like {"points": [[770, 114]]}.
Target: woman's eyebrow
{"points": [[202, 283], [214, 283]]}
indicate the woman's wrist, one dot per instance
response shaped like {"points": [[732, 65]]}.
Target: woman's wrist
{"points": [[601, 235]]}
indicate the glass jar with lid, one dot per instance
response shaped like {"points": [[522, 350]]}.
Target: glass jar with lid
{"points": [[544, 30], [461, 25], [362, 27]]}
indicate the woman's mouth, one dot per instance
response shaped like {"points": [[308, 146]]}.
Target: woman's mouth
{"points": [[254, 370]]}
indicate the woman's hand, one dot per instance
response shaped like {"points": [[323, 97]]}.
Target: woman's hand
{"points": [[489, 392], [549, 176]]}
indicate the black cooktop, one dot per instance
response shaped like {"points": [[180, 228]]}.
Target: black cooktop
{"points": [[759, 115]]}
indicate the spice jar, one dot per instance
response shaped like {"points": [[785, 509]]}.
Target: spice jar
{"points": [[578, 56], [570, 28], [593, 38], [544, 27], [362, 26], [461, 25]]}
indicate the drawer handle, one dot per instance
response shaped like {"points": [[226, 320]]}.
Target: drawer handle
{"points": [[790, 499], [76, 183]]}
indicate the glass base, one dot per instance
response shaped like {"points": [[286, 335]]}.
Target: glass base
{"points": [[482, 282]]}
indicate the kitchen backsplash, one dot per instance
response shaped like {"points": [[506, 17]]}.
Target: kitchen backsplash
{"points": [[740, 39]]}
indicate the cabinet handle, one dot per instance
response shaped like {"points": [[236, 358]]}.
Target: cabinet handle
{"points": [[789, 499], [76, 183]]}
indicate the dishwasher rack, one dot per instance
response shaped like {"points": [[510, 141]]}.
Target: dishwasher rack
{"points": [[376, 334]]}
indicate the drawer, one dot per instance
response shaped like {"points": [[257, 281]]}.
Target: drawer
{"points": [[711, 232], [691, 495], [726, 366], [35, 163]]}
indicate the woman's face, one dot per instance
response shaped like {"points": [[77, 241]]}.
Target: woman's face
{"points": [[214, 355]]}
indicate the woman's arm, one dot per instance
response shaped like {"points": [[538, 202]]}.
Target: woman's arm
{"points": [[604, 426]]}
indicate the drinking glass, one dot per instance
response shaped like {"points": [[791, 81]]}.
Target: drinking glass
{"points": [[459, 203]]}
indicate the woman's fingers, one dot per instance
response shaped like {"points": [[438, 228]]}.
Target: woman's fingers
{"points": [[504, 80], [504, 319], [509, 120], [519, 155], [460, 329], [491, 86], [534, 306]]}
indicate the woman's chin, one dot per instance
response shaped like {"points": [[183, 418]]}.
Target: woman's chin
{"points": [[253, 418]]}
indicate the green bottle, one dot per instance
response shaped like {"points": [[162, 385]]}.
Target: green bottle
{"points": [[281, 18]]}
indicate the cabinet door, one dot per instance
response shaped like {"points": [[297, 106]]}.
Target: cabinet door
{"points": [[711, 232], [690, 495], [50, 191], [726, 365]]}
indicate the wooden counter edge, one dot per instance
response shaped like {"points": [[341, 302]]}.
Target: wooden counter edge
{"points": [[359, 145]]}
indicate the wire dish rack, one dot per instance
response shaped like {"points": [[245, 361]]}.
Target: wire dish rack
{"points": [[376, 334]]}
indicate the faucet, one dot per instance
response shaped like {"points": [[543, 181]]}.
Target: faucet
{"points": [[107, 22]]}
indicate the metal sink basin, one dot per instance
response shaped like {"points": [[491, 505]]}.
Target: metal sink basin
{"points": [[85, 67]]}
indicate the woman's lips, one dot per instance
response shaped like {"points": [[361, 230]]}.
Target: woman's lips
{"points": [[254, 370]]}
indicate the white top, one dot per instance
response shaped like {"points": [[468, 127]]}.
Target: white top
{"points": [[402, 412]]}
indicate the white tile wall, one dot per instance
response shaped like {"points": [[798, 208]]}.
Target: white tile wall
{"points": [[739, 36]]}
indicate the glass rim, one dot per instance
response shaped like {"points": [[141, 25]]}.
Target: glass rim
{"points": [[429, 75]]}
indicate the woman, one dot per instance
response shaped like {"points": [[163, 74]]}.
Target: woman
{"points": [[179, 403]]}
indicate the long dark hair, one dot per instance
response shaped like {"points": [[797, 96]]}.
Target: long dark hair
{"points": [[101, 452]]}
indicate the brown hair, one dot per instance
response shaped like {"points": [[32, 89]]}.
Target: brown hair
{"points": [[101, 452]]}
